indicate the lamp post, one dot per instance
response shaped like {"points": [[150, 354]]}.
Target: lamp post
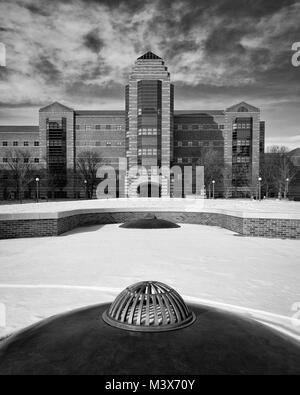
{"points": [[259, 188], [286, 188], [85, 185], [213, 184], [37, 180]]}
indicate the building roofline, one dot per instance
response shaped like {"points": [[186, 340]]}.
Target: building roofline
{"points": [[19, 128], [100, 112], [198, 112]]}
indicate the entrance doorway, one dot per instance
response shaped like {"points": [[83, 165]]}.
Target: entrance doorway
{"points": [[149, 189]]}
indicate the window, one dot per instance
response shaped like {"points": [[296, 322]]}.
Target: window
{"points": [[4, 144], [77, 127], [15, 143], [243, 109], [97, 127], [98, 143], [139, 152], [185, 127], [179, 126], [179, 160], [36, 160], [140, 111], [119, 127], [179, 143], [55, 143], [5, 160], [195, 127], [107, 127], [36, 143], [221, 127], [26, 144], [26, 160], [154, 151], [108, 143], [190, 143], [88, 128], [54, 125]]}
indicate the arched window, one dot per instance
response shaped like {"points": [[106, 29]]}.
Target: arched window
{"points": [[243, 109]]}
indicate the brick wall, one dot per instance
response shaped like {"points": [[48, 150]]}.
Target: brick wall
{"points": [[275, 228]]}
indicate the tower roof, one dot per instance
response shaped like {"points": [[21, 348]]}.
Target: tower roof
{"points": [[149, 55]]}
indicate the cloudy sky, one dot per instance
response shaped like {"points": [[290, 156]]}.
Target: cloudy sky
{"points": [[219, 52]]}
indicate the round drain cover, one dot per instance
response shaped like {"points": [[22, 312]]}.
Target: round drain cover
{"points": [[149, 222], [149, 306]]}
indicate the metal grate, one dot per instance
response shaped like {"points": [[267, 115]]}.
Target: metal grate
{"points": [[149, 306]]}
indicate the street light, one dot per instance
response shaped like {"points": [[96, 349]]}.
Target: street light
{"points": [[213, 183], [259, 188], [85, 184], [37, 180], [286, 188]]}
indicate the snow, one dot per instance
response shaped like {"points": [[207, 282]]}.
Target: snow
{"points": [[46, 276], [241, 205]]}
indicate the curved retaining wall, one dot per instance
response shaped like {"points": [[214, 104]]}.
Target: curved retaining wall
{"points": [[54, 224]]}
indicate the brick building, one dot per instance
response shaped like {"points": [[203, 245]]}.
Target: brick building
{"points": [[149, 133]]}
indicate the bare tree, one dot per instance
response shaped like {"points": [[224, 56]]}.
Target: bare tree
{"points": [[283, 168], [87, 164], [213, 166], [21, 169]]}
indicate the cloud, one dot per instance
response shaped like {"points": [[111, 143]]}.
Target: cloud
{"points": [[93, 41], [81, 52]]}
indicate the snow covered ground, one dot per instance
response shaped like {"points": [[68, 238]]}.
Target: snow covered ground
{"points": [[45, 276], [271, 206]]}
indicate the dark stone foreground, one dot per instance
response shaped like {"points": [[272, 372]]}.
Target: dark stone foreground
{"points": [[81, 343]]}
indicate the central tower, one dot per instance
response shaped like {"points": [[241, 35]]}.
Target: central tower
{"points": [[149, 118]]}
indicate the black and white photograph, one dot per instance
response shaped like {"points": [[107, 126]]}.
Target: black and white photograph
{"points": [[149, 190]]}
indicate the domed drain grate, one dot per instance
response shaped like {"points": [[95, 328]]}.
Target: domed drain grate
{"points": [[150, 222], [149, 307]]}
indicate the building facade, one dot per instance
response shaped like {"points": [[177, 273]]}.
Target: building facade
{"points": [[148, 133]]}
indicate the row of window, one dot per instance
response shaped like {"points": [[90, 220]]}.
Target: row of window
{"points": [[184, 160], [116, 143], [245, 151], [149, 111], [55, 143], [241, 159], [57, 159], [17, 144], [198, 127], [199, 143], [109, 143], [242, 142], [242, 125], [89, 128], [147, 152], [147, 132], [26, 160]]}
